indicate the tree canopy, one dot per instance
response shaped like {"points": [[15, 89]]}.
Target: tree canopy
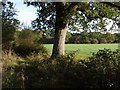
{"points": [[9, 24], [61, 15], [79, 13]]}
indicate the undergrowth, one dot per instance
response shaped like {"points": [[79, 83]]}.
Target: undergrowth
{"points": [[98, 71]]}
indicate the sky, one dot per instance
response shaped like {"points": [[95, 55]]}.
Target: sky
{"points": [[25, 14]]}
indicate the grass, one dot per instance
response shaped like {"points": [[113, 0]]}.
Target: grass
{"points": [[83, 50]]}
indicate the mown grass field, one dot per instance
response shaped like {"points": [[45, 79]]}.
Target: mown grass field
{"points": [[83, 50]]}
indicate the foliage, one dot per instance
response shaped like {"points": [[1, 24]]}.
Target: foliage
{"points": [[76, 12], [62, 15], [26, 44], [27, 50], [68, 36], [45, 36], [9, 24], [102, 40], [83, 38], [13, 69], [110, 37], [64, 72], [117, 38], [93, 38], [75, 39], [25, 37], [99, 71], [94, 41], [11, 78], [105, 64]]}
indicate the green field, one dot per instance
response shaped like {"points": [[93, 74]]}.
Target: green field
{"points": [[84, 50]]}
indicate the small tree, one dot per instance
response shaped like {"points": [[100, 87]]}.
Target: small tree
{"points": [[26, 38], [26, 44], [9, 24]]}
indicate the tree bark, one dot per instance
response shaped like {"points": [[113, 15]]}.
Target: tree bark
{"points": [[60, 32], [59, 42], [62, 19]]}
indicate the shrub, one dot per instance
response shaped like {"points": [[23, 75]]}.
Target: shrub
{"points": [[103, 68], [26, 44], [98, 71], [27, 50], [102, 40], [94, 41], [10, 77], [25, 38], [13, 70]]}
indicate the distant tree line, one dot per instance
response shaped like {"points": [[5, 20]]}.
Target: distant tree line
{"points": [[47, 37], [83, 38], [93, 38]]}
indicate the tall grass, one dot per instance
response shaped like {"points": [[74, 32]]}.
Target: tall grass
{"points": [[13, 68]]}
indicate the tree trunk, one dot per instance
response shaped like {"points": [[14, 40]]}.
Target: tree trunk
{"points": [[59, 42], [62, 19], [60, 31]]}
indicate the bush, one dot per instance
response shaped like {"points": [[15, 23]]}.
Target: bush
{"points": [[26, 38], [10, 77], [104, 68], [27, 50], [98, 71], [102, 40], [13, 69], [94, 41], [26, 44]]}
